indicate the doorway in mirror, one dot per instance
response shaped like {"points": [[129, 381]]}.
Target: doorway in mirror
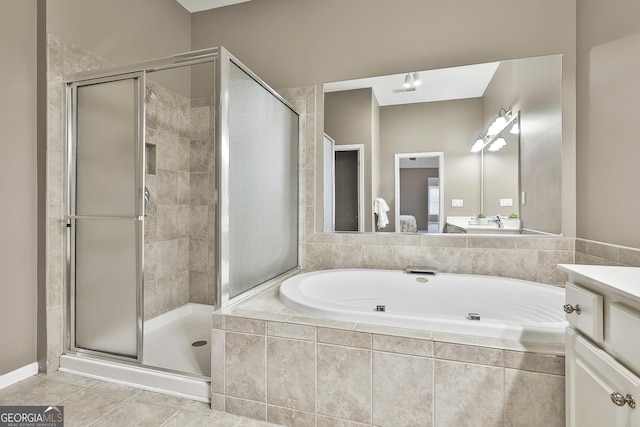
{"points": [[419, 192]]}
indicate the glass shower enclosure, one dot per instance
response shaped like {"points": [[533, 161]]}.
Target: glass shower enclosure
{"points": [[181, 188]]}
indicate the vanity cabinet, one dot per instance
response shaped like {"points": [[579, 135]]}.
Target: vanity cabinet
{"points": [[594, 381], [602, 346]]}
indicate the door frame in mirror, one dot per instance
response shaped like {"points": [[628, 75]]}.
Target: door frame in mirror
{"points": [[359, 149], [398, 157]]}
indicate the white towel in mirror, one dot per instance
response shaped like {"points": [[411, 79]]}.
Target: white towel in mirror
{"points": [[381, 208]]}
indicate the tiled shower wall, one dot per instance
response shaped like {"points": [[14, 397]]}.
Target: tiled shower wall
{"points": [[166, 227], [179, 222]]}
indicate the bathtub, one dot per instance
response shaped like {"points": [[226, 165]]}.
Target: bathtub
{"points": [[483, 306]]}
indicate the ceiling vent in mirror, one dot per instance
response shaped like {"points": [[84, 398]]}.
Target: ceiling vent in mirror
{"points": [[408, 89]]}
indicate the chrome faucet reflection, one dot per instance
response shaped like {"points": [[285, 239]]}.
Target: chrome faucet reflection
{"points": [[498, 221]]}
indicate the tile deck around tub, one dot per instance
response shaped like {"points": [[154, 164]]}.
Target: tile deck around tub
{"points": [[272, 363]]}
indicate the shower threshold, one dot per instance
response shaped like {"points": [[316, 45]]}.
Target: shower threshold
{"points": [[183, 369]]}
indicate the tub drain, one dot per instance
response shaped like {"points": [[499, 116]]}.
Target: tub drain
{"points": [[199, 343]]}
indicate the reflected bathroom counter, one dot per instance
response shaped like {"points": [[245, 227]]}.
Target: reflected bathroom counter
{"points": [[470, 225]]}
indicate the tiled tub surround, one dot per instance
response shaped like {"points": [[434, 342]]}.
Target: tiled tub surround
{"points": [[597, 253], [272, 363], [526, 258]]}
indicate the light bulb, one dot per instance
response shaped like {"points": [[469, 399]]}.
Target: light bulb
{"points": [[416, 79], [478, 145], [408, 80]]}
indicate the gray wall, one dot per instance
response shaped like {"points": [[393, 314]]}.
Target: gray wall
{"points": [[447, 126], [350, 120], [414, 194], [534, 88], [300, 42], [608, 109], [18, 186], [125, 31]]}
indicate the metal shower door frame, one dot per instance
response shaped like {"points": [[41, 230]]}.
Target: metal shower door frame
{"points": [[71, 217]]}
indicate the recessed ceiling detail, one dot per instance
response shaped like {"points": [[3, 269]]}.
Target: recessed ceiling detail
{"points": [[200, 5]]}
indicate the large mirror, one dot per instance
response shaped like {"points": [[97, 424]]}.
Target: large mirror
{"points": [[405, 142]]}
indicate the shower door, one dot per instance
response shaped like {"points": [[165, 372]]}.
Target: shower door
{"points": [[105, 215]]}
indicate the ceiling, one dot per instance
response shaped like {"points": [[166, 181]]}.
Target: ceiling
{"points": [[200, 5], [469, 81]]}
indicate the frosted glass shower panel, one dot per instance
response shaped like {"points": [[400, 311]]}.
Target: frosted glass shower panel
{"points": [[263, 184], [106, 297], [106, 149], [106, 215]]}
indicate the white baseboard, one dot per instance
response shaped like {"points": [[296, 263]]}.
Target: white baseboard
{"points": [[17, 375]]}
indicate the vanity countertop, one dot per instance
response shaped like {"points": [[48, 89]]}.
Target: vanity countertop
{"points": [[466, 223], [624, 281]]}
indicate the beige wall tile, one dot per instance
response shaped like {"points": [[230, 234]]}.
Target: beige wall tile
{"points": [[346, 338], [318, 256], [249, 326], [517, 264], [200, 189], [404, 256], [377, 256], [199, 222], [244, 366], [199, 156], [167, 222], [246, 408], [184, 188], [290, 417], [544, 243], [402, 390], [292, 330], [444, 241], [630, 256], [184, 154], [347, 256], [548, 271], [217, 361], [168, 293], [184, 255], [411, 346], [167, 151], [491, 242], [536, 362], [602, 250], [198, 255], [344, 383], [469, 354], [166, 258], [291, 374], [534, 399], [324, 421], [198, 283], [167, 187], [150, 299], [468, 395]]}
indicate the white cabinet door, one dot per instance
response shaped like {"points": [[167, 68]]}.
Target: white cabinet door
{"points": [[593, 377]]}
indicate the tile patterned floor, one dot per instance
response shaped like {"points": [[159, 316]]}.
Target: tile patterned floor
{"points": [[90, 402]]}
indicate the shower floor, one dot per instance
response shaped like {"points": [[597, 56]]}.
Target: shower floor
{"points": [[168, 340]]}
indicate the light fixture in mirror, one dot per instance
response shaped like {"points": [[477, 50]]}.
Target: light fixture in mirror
{"points": [[444, 114]]}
